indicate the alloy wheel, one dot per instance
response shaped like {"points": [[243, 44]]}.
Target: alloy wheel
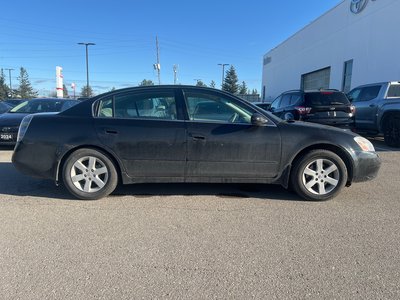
{"points": [[321, 176], [89, 174]]}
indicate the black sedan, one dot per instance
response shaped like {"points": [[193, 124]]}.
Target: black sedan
{"points": [[9, 121], [187, 134]]}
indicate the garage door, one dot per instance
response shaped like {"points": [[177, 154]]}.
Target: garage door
{"points": [[316, 80]]}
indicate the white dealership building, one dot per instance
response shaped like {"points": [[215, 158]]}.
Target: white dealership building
{"points": [[356, 42]]}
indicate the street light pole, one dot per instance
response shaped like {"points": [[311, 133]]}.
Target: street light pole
{"points": [[9, 75], [87, 64], [223, 71]]}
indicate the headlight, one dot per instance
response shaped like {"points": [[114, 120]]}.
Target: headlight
{"points": [[24, 127], [364, 144]]}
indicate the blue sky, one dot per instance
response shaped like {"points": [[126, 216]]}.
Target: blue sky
{"points": [[195, 35]]}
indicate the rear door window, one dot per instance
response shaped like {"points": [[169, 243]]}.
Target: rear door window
{"points": [[158, 105], [394, 91], [295, 98], [325, 99], [285, 100]]}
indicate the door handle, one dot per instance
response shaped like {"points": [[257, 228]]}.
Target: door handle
{"points": [[110, 131], [372, 105], [197, 137]]}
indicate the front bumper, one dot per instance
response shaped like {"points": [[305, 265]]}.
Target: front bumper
{"points": [[367, 165]]}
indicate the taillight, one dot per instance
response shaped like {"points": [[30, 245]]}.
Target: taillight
{"points": [[352, 109], [303, 110]]}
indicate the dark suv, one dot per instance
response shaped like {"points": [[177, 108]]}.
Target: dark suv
{"points": [[329, 107]]}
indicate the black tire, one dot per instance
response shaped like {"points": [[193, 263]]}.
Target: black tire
{"points": [[288, 117], [391, 131], [318, 175], [89, 183]]}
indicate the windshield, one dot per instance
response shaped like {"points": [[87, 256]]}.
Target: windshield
{"points": [[37, 106]]}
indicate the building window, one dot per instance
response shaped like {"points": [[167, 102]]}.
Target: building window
{"points": [[316, 80], [347, 73]]}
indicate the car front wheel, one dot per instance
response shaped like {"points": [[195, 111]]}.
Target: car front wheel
{"points": [[319, 175], [89, 174]]}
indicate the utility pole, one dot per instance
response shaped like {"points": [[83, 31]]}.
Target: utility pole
{"points": [[87, 65], [9, 75], [157, 65], [175, 73], [223, 73]]}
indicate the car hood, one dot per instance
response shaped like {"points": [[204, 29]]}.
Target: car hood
{"points": [[301, 125], [11, 119]]}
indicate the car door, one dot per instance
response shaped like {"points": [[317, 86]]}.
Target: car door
{"points": [[223, 145], [145, 131], [364, 99]]}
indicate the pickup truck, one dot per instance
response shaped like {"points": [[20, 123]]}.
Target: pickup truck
{"points": [[378, 110]]}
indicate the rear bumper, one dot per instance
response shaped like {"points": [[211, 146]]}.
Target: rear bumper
{"points": [[34, 160], [367, 165]]}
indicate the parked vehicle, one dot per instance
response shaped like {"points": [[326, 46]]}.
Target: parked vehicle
{"points": [[4, 107], [122, 137], [378, 110], [10, 121], [14, 102], [329, 107]]}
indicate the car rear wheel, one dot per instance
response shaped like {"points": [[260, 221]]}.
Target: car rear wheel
{"points": [[319, 175], [89, 174], [392, 131]]}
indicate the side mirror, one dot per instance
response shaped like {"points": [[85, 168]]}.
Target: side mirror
{"points": [[258, 120]]}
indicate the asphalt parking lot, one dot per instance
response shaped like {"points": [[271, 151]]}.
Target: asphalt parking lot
{"points": [[200, 241]]}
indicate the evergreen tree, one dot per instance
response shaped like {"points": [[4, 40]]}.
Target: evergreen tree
{"points": [[65, 91], [254, 92], [4, 89], [200, 83], [87, 91], [25, 89], [231, 81], [243, 89], [146, 82], [212, 84]]}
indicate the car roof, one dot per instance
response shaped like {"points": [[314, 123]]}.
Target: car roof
{"points": [[163, 86], [51, 99], [312, 91]]}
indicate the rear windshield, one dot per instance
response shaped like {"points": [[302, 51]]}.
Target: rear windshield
{"points": [[325, 99]]}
